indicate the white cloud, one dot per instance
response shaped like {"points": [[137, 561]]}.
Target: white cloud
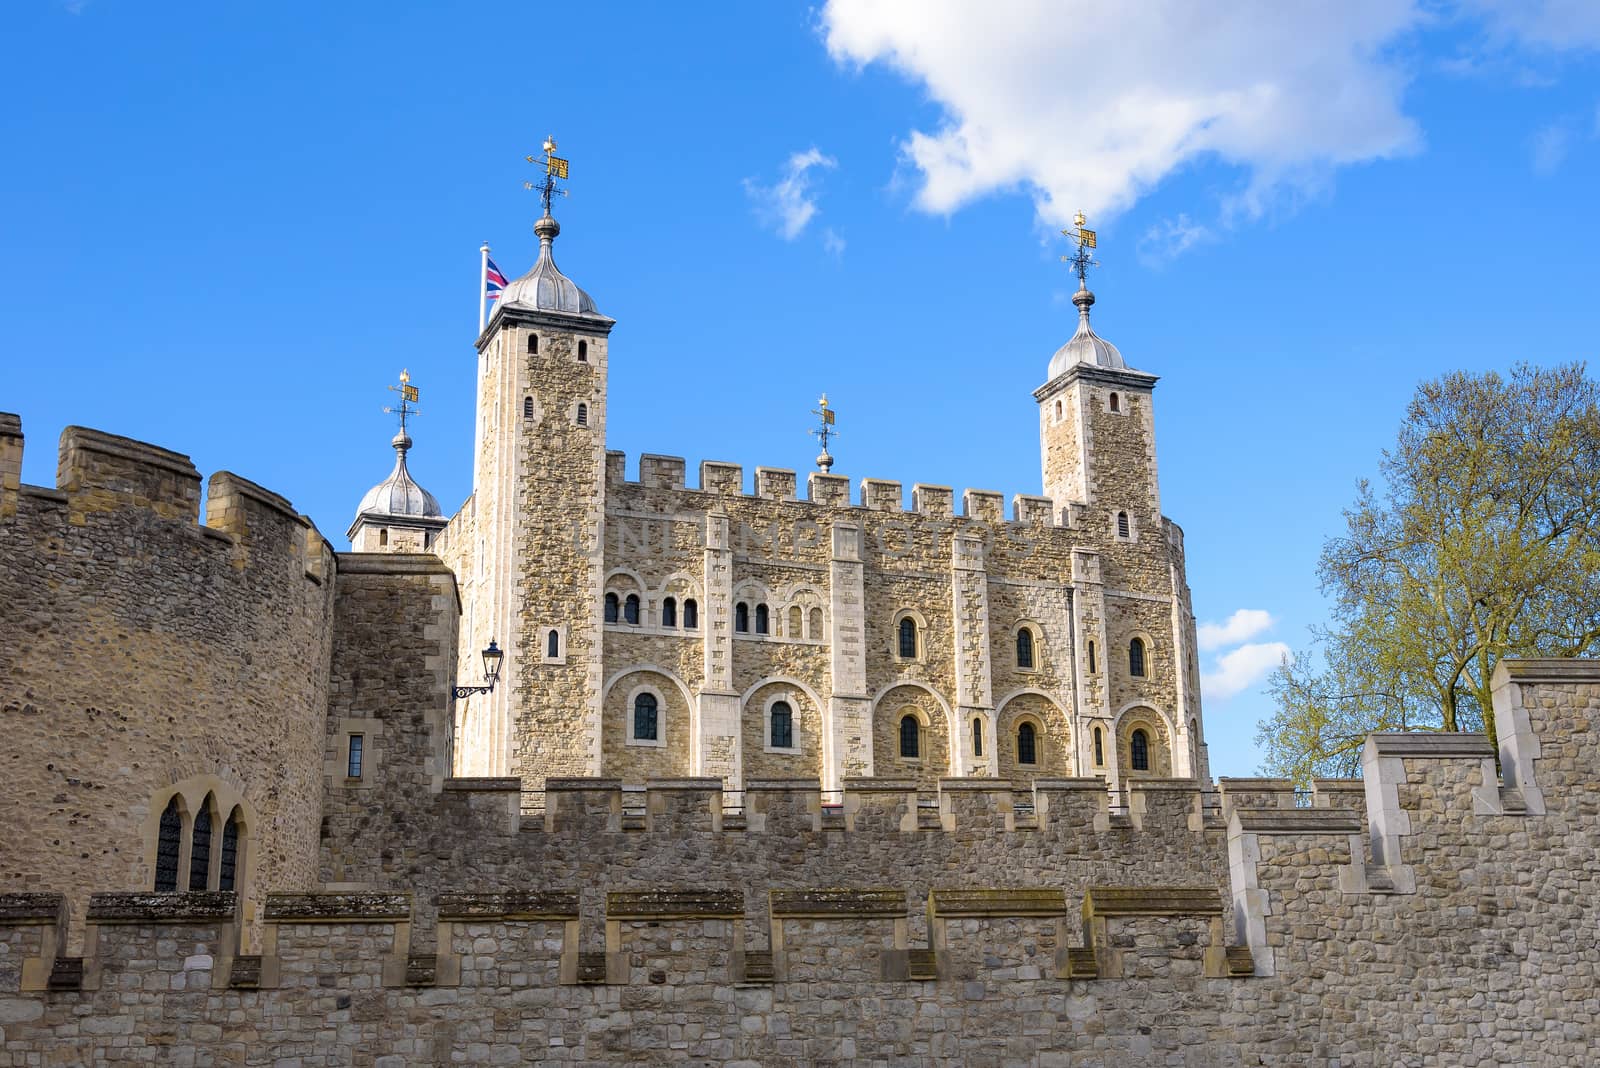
{"points": [[832, 243], [1242, 668], [1171, 238], [1090, 108], [1243, 625], [1559, 25], [790, 203], [1549, 145]]}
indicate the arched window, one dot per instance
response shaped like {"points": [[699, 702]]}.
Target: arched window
{"points": [[796, 615], [533, 342], [552, 644], [200, 847], [815, 623], [977, 737], [910, 736], [1122, 525], [1092, 668], [1099, 749], [741, 618], [630, 608], [583, 414], [691, 614], [782, 726], [1058, 409], [644, 717], [1139, 751], [168, 844], [669, 612], [583, 352], [1024, 648], [1116, 404], [1136, 657], [908, 638], [527, 407], [761, 619], [1027, 745], [613, 607], [383, 535], [228, 877]]}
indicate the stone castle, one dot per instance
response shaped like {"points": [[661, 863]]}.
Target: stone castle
{"points": [[602, 770]]}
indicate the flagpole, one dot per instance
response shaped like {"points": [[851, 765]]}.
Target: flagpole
{"points": [[483, 285]]}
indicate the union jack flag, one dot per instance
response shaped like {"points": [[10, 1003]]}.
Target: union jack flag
{"points": [[493, 281]]}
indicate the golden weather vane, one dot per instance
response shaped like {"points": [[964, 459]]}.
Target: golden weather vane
{"points": [[408, 396], [1086, 239], [554, 167], [825, 429]]}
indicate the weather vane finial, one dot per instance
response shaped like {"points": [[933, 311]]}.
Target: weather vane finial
{"points": [[1081, 260], [554, 167], [408, 396], [825, 429]]}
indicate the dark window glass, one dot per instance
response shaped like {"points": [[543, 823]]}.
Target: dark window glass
{"points": [[1027, 745], [782, 726], [583, 352], [1024, 648], [1099, 748], [761, 619], [669, 612], [552, 644], [908, 638], [1139, 751], [630, 608], [357, 751], [1116, 405], [230, 852], [644, 717], [613, 606], [583, 415], [977, 737], [200, 848], [1136, 657], [741, 617], [527, 407], [1092, 668], [533, 342], [168, 844], [1122, 524], [909, 737], [691, 614]]}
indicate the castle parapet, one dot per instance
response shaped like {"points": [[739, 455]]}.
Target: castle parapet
{"points": [[976, 806], [582, 806], [33, 934], [718, 476], [10, 463], [783, 807], [103, 472], [1033, 510], [986, 506], [363, 938], [831, 490], [1255, 793], [880, 805], [1072, 807], [1166, 804], [775, 483], [683, 805], [938, 501], [661, 472], [881, 495]]}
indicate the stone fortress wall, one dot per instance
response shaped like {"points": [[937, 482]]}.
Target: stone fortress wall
{"points": [[1433, 914]]}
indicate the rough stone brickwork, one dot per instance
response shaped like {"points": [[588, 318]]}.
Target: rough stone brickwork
{"points": [[140, 650], [1433, 914]]}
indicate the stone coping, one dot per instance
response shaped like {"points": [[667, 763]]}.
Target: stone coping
{"points": [[391, 564], [32, 908], [1297, 821], [704, 785], [509, 905], [1339, 786], [673, 904], [837, 903], [875, 785], [783, 785], [337, 908], [575, 785], [11, 423], [196, 906], [224, 482], [484, 783], [89, 440], [993, 902], [1226, 783], [1550, 671], [978, 785], [1150, 785], [1434, 744], [1087, 782], [1152, 901]]}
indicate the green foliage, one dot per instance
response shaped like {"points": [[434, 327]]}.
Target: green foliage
{"points": [[1483, 543]]}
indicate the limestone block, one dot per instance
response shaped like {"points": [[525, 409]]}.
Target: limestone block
{"points": [[717, 476], [775, 483], [880, 495], [661, 472], [984, 505], [938, 501]]}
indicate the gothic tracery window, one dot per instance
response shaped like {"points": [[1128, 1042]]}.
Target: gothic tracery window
{"points": [[169, 842]]}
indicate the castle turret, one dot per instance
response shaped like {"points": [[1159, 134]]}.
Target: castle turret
{"points": [[532, 569], [397, 515]]}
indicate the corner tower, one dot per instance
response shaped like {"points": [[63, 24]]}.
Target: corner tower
{"points": [[397, 515], [529, 556]]}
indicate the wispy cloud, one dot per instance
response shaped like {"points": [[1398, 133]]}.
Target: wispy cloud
{"points": [[1549, 145], [1169, 239], [790, 203], [1239, 670], [832, 243], [1243, 625]]}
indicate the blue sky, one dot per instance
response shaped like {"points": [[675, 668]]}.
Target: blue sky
{"points": [[228, 226]]}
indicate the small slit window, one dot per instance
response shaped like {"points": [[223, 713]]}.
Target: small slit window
{"points": [[644, 718], [691, 614], [355, 756], [1024, 648], [782, 726], [383, 536], [1116, 403], [910, 737], [669, 612], [613, 608], [630, 609], [228, 876], [552, 644], [1139, 751], [1123, 530], [200, 848], [741, 618], [583, 352], [583, 414], [533, 342], [1136, 658], [1058, 409], [1027, 745], [977, 737], [761, 619], [168, 842], [527, 407], [908, 638], [1092, 668], [1099, 749]]}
